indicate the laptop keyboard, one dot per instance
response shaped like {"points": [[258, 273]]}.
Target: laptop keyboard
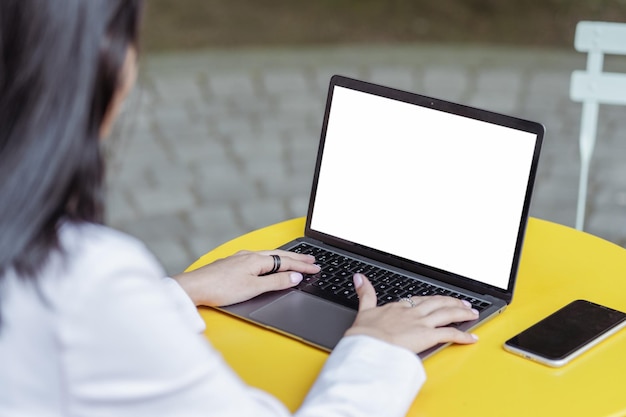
{"points": [[334, 281]]}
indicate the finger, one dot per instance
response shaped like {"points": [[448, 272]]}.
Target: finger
{"points": [[270, 264], [365, 291], [452, 335], [278, 281], [446, 315], [287, 254], [289, 264], [427, 305]]}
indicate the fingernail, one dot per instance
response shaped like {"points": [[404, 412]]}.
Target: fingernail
{"points": [[295, 277], [475, 311], [474, 336], [318, 267], [358, 280], [467, 303]]}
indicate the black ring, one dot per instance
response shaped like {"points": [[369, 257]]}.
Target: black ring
{"points": [[276, 264]]}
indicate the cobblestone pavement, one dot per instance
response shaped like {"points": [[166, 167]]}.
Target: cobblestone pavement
{"points": [[216, 143]]}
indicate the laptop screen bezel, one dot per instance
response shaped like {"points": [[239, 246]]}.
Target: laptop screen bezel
{"points": [[449, 107]]}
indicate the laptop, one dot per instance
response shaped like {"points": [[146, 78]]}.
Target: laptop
{"points": [[421, 195]]}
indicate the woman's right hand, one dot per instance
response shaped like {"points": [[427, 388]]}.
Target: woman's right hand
{"points": [[416, 328]]}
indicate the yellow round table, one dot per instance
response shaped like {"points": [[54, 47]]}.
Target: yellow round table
{"points": [[558, 265]]}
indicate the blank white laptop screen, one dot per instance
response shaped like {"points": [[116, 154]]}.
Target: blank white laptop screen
{"points": [[440, 189]]}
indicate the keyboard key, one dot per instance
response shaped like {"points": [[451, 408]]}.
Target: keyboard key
{"points": [[351, 302], [321, 284], [388, 298], [344, 274]]}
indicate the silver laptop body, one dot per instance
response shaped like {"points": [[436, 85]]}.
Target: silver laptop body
{"points": [[425, 188]]}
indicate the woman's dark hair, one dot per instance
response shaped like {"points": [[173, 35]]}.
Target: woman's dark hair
{"points": [[60, 65]]}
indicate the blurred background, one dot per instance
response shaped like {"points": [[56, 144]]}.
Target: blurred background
{"points": [[220, 136], [172, 24]]}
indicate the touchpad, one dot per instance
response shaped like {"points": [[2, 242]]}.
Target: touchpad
{"points": [[307, 317]]}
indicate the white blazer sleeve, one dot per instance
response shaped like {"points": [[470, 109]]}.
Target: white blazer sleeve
{"points": [[365, 377], [185, 306]]}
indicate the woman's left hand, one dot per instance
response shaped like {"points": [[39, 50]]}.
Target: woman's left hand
{"points": [[241, 276]]}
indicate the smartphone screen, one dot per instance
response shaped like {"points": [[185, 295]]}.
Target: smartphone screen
{"points": [[567, 333]]}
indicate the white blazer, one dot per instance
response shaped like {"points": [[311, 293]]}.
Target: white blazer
{"points": [[103, 334]]}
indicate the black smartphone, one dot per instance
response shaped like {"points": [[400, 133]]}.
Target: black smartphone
{"points": [[566, 333]]}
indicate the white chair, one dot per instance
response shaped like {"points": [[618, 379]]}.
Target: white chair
{"points": [[593, 87]]}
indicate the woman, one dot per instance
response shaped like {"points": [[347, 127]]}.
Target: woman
{"points": [[88, 325]]}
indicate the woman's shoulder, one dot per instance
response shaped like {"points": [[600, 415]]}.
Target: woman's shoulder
{"points": [[102, 250], [74, 234], [88, 237]]}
